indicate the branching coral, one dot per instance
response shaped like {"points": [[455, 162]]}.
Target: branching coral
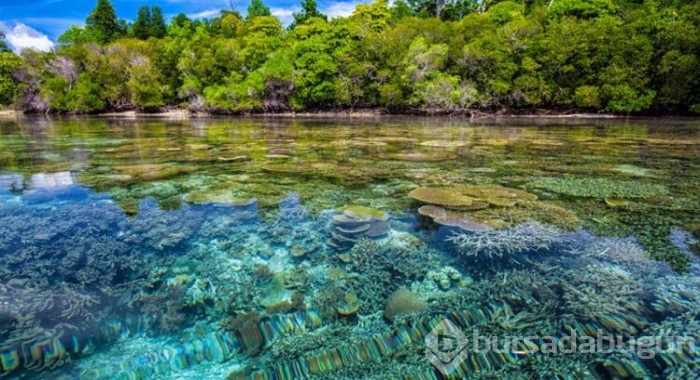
{"points": [[599, 187], [525, 237], [603, 293]]}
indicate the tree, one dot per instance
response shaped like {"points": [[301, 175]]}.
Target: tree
{"points": [[257, 9], [3, 44], [158, 28], [308, 10], [149, 23], [103, 23], [142, 26], [9, 62]]}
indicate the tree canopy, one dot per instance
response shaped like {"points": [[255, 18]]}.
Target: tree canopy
{"points": [[615, 56], [149, 23], [102, 23]]}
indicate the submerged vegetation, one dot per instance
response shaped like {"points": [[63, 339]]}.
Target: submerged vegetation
{"points": [[614, 56]]}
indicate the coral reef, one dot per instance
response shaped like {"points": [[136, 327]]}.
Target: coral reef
{"points": [[599, 187], [453, 218], [525, 237], [449, 197], [402, 303], [355, 223], [176, 273]]}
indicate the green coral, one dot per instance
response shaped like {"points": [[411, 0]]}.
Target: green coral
{"points": [[599, 187]]}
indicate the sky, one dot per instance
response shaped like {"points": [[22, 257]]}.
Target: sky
{"points": [[38, 23]]}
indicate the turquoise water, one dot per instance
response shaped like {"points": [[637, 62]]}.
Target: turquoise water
{"points": [[282, 249]]}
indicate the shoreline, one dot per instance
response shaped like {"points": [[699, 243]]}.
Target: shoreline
{"points": [[177, 113], [363, 113], [10, 113]]}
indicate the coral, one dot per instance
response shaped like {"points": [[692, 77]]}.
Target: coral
{"points": [[525, 237], [449, 197], [402, 303], [446, 277], [246, 328], [683, 240], [605, 294], [616, 202], [356, 223], [632, 170], [291, 210], [453, 218], [599, 187], [219, 197], [349, 304]]}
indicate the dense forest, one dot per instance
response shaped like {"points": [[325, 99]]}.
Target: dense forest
{"points": [[615, 56]]}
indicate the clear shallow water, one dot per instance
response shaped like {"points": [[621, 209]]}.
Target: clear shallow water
{"points": [[211, 248]]}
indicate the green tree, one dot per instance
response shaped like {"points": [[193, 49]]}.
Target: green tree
{"points": [[158, 27], [226, 25], [257, 9], [149, 23], [309, 9], [142, 26], [103, 23], [3, 44], [9, 62]]}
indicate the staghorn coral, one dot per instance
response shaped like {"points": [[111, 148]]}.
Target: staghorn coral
{"points": [[525, 237], [600, 292], [599, 187]]}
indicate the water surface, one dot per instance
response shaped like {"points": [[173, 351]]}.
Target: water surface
{"points": [[144, 249]]}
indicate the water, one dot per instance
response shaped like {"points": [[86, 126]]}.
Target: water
{"points": [[280, 249]]}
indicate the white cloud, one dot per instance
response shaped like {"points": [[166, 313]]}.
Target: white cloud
{"points": [[286, 15], [205, 14], [21, 36], [52, 25], [341, 8]]}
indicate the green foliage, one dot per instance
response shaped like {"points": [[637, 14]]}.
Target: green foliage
{"points": [[309, 10], [9, 62], [582, 8], [257, 9], [149, 23], [597, 56], [103, 23], [3, 44]]}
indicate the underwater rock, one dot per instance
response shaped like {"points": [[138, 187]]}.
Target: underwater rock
{"points": [[355, 223], [401, 303]]}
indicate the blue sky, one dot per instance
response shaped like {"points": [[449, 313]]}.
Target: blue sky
{"points": [[37, 23]]}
